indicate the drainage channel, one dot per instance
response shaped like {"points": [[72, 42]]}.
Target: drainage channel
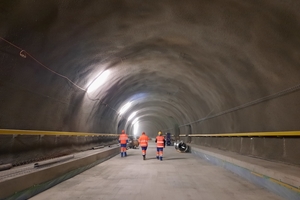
{"points": [[11, 171]]}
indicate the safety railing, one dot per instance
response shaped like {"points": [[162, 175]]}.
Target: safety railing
{"points": [[53, 133], [250, 134]]}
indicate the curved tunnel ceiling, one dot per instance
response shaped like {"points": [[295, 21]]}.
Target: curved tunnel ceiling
{"points": [[176, 61]]}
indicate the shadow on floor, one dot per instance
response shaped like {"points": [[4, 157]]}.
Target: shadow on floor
{"points": [[154, 158], [173, 158]]}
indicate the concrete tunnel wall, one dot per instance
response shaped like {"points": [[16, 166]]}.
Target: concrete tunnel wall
{"points": [[176, 61]]}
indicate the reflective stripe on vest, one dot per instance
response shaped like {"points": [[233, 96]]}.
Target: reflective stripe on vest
{"points": [[160, 141], [143, 140], [123, 138]]}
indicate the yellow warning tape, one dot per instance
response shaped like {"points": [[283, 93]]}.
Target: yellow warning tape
{"points": [[250, 134], [53, 133], [285, 185], [278, 182], [256, 174]]}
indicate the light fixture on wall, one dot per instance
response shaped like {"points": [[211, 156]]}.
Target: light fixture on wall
{"points": [[125, 107], [131, 116], [135, 126], [135, 120], [100, 80]]}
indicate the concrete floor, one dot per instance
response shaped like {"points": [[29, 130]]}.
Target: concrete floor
{"points": [[179, 176]]}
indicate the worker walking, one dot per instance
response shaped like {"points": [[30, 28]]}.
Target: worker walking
{"points": [[123, 140], [160, 144], [143, 140]]}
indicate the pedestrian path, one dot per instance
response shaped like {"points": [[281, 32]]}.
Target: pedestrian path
{"points": [[180, 176]]}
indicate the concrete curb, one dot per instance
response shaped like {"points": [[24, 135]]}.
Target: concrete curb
{"points": [[281, 184], [28, 185]]}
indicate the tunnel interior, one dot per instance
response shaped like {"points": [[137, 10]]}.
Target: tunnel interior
{"points": [[178, 66]]}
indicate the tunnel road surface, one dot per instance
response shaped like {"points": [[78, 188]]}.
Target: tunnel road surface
{"points": [[180, 176]]}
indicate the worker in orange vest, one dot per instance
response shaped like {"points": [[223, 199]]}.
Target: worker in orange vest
{"points": [[160, 144], [143, 140], [123, 140]]}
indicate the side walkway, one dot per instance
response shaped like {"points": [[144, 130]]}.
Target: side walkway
{"points": [[279, 178], [180, 176]]}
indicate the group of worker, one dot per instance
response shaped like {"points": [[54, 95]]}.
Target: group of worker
{"points": [[143, 141]]}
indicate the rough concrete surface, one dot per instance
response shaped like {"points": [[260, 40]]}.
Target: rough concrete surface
{"points": [[234, 61], [176, 61], [178, 176]]}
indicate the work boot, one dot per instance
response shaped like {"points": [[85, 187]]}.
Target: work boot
{"points": [[144, 157], [157, 157], [125, 154], [160, 158], [121, 154]]}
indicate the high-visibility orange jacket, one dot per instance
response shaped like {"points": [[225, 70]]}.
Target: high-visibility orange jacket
{"points": [[143, 140], [123, 139], [160, 141]]}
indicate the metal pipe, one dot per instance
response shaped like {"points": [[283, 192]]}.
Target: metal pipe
{"points": [[98, 147], [112, 145], [54, 160], [5, 166]]}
